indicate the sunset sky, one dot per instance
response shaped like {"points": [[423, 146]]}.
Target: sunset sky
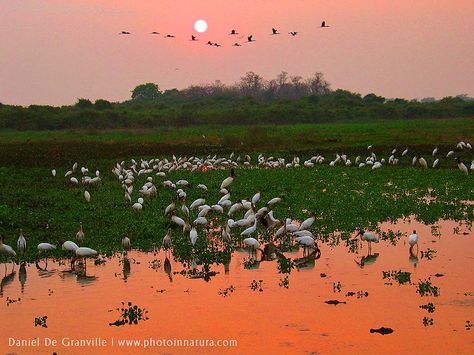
{"points": [[55, 51]]}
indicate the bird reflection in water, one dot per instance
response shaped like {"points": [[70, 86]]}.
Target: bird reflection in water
{"points": [[167, 268], [22, 276], [413, 258], [308, 261], [81, 272], [7, 280], [367, 260], [126, 268]]}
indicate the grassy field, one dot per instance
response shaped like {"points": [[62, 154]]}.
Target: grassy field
{"points": [[58, 147], [342, 198]]}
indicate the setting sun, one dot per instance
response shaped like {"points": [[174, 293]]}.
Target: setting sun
{"points": [[200, 26]]}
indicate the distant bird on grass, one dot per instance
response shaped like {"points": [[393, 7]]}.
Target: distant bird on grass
{"points": [[80, 234], [126, 244], [21, 243], [462, 167]]}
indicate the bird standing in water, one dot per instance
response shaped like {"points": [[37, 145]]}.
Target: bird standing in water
{"points": [[369, 237], [6, 250], [413, 240], [21, 243]]}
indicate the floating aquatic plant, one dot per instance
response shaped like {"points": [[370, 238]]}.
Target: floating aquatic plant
{"points": [[425, 288], [226, 291], [257, 285], [130, 314], [41, 321], [402, 277], [430, 307]]}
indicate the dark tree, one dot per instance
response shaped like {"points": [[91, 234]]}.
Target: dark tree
{"points": [[101, 104], [84, 103], [146, 92]]}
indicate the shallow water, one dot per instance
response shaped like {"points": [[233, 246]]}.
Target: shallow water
{"points": [[276, 320]]}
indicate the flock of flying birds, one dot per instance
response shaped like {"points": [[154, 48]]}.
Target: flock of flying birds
{"points": [[243, 217], [250, 38]]}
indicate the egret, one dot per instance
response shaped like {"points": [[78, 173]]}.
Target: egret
{"points": [[21, 243], [6, 250], [227, 181], [193, 235], [307, 242], [197, 203], [413, 240], [44, 248], [307, 223], [80, 234], [126, 243], [84, 253], [167, 240], [137, 206], [369, 237], [253, 245], [179, 221], [423, 163], [250, 230], [274, 201], [462, 167], [69, 246]]}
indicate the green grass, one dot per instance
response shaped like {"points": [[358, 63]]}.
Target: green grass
{"points": [[343, 199], [63, 146]]}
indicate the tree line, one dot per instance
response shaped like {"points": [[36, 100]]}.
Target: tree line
{"points": [[252, 100]]}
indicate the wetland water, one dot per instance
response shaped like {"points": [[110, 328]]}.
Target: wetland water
{"points": [[271, 316]]}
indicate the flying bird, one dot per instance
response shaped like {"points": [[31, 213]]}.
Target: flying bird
{"points": [[323, 24], [233, 32], [193, 38], [124, 33], [155, 33], [236, 45], [275, 31], [170, 36], [250, 39], [293, 33]]}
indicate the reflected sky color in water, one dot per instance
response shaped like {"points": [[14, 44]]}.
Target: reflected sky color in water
{"points": [[276, 320]]}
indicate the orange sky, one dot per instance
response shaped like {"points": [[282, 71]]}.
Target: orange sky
{"points": [[55, 51]]}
